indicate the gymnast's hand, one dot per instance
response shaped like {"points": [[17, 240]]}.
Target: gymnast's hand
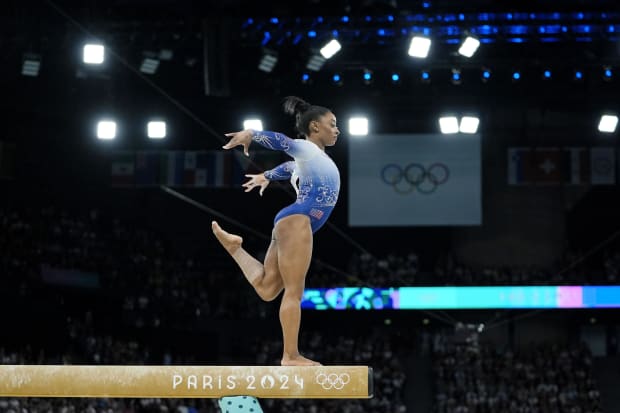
{"points": [[242, 138], [257, 180]]}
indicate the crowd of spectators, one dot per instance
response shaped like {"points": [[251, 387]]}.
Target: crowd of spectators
{"points": [[481, 379]]}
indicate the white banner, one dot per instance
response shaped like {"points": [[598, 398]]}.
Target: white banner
{"points": [[414, 180]]}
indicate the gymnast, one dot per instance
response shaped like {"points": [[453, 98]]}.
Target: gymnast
{"points": [[316, 180]]}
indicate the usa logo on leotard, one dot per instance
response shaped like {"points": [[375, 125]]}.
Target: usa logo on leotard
{"points": [[316, 213]]}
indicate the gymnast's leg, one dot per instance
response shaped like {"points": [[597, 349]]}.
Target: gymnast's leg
{"points": [[294, 244], [265, 278]]}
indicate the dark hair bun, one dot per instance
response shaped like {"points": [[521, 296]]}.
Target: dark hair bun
{"points": [[294, 105]]}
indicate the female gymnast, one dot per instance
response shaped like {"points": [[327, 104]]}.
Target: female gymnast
{"points": [[290, 251]]}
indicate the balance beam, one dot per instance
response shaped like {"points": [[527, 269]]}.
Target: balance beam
{"points": [[315, 382]]}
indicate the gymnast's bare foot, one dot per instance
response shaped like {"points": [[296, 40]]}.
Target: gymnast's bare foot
{"points": [[230, 242], [298, 360]]}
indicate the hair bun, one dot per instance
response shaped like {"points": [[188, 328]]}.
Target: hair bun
{"points": [[294, 105]]}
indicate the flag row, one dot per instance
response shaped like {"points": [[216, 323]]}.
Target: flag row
{"points": [[562, 166]]}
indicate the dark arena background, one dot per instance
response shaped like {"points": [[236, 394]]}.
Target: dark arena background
{"points": [[471, 261]]}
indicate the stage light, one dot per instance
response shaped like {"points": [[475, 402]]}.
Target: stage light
{"points": [[31, 63], [395, 77], [358, 126], [456, 76], [608, 123], [516, 76], [469, 46], [547, 74], [93, 54], [106, 129], [469, 124], [156, 129], [367, 76], [305, 78], [315, 63], [254, 124], [268, 61], [448, 124], [150, 63], [419, 47], [486, 75], [330, 49], [425, 76], [337, 79], [607, 73], [578, 75]]}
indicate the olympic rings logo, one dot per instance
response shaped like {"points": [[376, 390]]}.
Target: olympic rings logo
{"points": [[333, 380], [415, 177]]}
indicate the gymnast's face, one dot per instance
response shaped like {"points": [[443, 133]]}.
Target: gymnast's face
{"points": [[325, 129]]}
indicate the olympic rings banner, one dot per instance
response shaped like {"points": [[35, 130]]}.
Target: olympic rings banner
{"points": [[434, 298], [414, 180]]}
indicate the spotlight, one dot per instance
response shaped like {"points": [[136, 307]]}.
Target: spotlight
{"points": [[607, 73], [268, 61], [31, 63], [469, 124], [367, 76], [93, 54], [254, 124], [156, 129], [486, 75], [419, 47], [456, 76], [106, 129], [469, 46], [358, 126], [150, 63], [330, 49], [608, 123], [315, 63], [425, 76], [448, 124]]}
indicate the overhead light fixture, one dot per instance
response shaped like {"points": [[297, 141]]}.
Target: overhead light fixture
{"points": [[31, 63], [456, 77], [419, 47], [358, 126], [93, 54], [608, 123], [469, 124], [315, 63], [106, 129], [469, 46], [254, 124], [448, 124], [156, 129], [268, 61], [150, 63], [330, 49]]}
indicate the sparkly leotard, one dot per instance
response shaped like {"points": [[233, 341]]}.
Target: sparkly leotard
{"points": [[319, 178]]}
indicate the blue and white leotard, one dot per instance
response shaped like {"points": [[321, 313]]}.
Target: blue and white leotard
{"points": [[319, 178]]}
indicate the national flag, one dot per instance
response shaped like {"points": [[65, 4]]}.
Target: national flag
{"points": [[173, 169], [577, 166], [549, 168], [122, 169], [521, 166], [148, 167], [603, 165]]}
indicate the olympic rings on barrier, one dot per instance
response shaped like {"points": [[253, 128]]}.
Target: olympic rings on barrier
{"points": [[333, 380], [415, 177]]}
